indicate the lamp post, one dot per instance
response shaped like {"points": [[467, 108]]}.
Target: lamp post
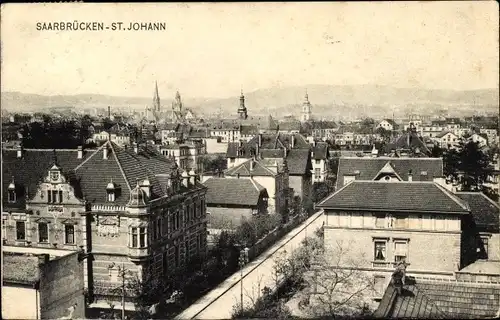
{"points": [[243, 259]]}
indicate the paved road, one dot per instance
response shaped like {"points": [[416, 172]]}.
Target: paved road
{"points": [[219, 302]]}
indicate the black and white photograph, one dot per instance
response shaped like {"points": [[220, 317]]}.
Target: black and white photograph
{"points": [[250, 160]]}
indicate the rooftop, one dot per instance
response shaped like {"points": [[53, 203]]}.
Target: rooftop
{"points": [[402, 196], [231, 191], [440, 300]]}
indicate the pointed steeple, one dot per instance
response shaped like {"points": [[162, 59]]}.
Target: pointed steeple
{"points": [[156, 98], [306, 108]]}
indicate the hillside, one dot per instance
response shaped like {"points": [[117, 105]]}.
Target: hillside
{"points": [[327, 101]]}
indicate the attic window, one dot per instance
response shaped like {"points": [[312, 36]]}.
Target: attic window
{"points": [[12, 196], [423, 173]]}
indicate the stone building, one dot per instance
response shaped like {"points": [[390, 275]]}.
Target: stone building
{"points": [[42, 283], [122, 206]]}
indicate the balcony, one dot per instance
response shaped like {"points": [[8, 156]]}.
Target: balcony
{"points": [[138, 253]]}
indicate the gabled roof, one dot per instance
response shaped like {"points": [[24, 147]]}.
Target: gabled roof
{"points": [[320, 151], [29, 170], [408, 140], [427, 299], [244, 170], [247, 130], [443, 133], [280, 140], [88, 176], [289, 126], [391, 122], [486, 212], [367, 168], [230, 191], [395, 196], [299, 162], [270, 124]]}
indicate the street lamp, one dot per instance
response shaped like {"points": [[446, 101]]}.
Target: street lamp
{"points": [[243, 259]]}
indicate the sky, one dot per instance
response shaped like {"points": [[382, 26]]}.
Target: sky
{"points": [[215, 50]]}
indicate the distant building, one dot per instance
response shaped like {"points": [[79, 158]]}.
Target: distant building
{"points": [[319, 158], [40, 283], [306, 109], [387, 124], [447, 140], [187, 154]]}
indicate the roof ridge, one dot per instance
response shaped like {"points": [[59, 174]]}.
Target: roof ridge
{"points": [[266, 168], [452, 196], [334, 193], [121, 168], [92, 155], [254, 184]]}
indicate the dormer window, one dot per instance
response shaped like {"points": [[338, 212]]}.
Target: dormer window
{"points": [[111, 191], [54, 175]]}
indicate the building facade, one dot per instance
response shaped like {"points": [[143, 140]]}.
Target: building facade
{"points": [[124, 207]]}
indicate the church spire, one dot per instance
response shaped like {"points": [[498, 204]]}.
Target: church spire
{"points": [[156, 98]]}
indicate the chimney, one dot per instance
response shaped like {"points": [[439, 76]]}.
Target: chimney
{"points": [[252, 165], [146, 187], [136, 149], [238, 175], [192, 177], [260, 139], [185, 179], [293, 141], [410, 176], [257, 150], [19, 151], [105, 152], [80, 152]]}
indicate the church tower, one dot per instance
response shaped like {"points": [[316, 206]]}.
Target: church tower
{"points": [[156, 99], [306, 109], [177, 105], [242, 110]]}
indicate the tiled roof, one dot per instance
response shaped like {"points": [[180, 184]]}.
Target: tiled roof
{"points": [[440, 300], [244, 170], [423, 169], [289, 126], [395, 196], [408, 140], [269, 141], [20, 268], [89, 176], [29, 170], [247, 130], [230, 191], [270, 124], [486, 213], [272, 153], [320, 151], [299, 161]]}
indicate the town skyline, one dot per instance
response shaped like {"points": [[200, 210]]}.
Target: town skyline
{"points": [[257, 46]]}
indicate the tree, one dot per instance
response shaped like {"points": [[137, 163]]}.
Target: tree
{"points": [[337, 286], [214, 164], [468, 165], [385, 134]]}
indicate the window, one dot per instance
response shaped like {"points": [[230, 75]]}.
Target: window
{"points": [[134, 238], [317, 172], [69, 233], [60, 196], [400, 250], [54, 175], [380, 250], [49, 196], [43, 232], [318, 161], [379, 220], [378, 285], [482, 247], [12, 196], [111, 196], [142, 237], [20, 230]]}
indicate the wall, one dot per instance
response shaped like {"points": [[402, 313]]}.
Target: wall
{"points": [[494, 247], [227, 218], [295, 182], [428, 249], [215, 147], [61, 286], [270, 184], [19, 302]]}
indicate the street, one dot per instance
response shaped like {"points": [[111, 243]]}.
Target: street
{"points": [[219, 302]]}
